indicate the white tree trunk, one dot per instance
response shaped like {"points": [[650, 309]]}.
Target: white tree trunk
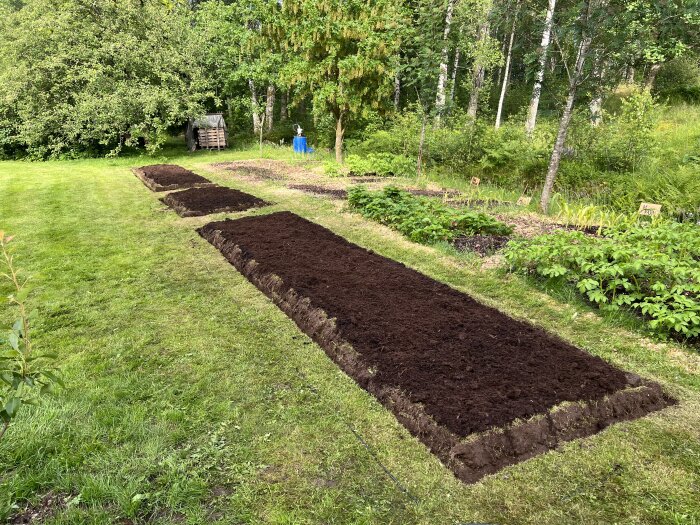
{"points": [[270, 107], [397, 91], [596, 103], [255, 108], [564, 122], [455, 67], [539, 76], [442, 76], [506, 73]]}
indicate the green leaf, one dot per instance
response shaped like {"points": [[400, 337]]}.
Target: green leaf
{"points": [[11, 406]]}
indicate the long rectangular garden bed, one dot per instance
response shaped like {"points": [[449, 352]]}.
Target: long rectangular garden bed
{"points": [[165, 177], [195, 202], [480, 389]]}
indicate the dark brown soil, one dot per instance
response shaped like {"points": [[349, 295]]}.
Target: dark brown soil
{"points": [[257, 172], [481, 244], [165, 177], [49, 505], [478, 203], [320, 190], [366, 178], [446, 365], [213, 199], [433, 193]]}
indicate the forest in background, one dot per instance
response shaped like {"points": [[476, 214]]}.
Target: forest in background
{"points": [[537, 95]]}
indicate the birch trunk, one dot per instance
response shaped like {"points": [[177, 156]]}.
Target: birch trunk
{"points": [[254, 104], [455, 66], [506, 73], [442, 76], [564, 122], [477, 75], [596, 104], [339, 132], [270, 107], [397, 91], [539, 76]]}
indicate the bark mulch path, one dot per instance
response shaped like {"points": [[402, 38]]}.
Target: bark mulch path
{"points": [[165, 177], [213, 199], [447, 366], [320, 190]]}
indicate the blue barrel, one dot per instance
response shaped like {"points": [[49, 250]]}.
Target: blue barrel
{"points": [[299, 145]]}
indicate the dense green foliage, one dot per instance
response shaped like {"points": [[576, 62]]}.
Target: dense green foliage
{"points": [[421, 219], [652, 268], [382, 164], [90, 77]]}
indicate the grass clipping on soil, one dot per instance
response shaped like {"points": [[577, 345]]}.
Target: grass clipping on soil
{"points": [[480, 389]]}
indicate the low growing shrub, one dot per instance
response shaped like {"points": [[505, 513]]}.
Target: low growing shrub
{"points": [[381, 164], [422, 219], [652, 268]]}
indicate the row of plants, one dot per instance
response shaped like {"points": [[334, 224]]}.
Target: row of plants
{"points": [[422, 219], [374, 164], [652, 268]]}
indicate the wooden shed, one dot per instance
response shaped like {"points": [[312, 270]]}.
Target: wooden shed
{"points": [[209, 132]]}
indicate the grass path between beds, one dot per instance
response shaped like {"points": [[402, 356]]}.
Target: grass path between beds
{"points": [[191, 398]]}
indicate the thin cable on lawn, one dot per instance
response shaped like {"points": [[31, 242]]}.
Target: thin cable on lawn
{"points": [[401, 487], [357, 435]]}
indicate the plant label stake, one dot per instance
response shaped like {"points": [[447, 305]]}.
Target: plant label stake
{"points": [[649, 210], [524, 201], [476, 181]]}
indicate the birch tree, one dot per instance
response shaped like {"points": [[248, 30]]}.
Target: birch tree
{"points": [[442, 75], [542, 63], [506, 73]]}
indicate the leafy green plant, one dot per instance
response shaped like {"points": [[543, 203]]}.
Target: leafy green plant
{"points": [[25, 375], [651, 267], [422, 219], [381, 164]]}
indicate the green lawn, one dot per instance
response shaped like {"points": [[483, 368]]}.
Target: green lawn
{"points": [[191, 398]]}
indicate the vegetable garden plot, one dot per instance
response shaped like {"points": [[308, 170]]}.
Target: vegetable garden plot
{"points": [[212, 199], [165, 177], [480, 389]]}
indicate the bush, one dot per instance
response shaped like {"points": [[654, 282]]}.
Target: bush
{"points": [[652, 268], [679, 80], [421, 219], [381, 164]]}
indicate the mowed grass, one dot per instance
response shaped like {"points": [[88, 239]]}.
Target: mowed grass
{"points": [[191, 398]]}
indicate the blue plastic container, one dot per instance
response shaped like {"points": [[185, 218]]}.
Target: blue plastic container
{"points": [[299, 145]]}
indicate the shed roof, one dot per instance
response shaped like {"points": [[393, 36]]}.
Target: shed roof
{"points": [[211, 120]]}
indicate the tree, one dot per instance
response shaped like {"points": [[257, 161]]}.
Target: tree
{"points": [[91, 77], [506, 73], [442, 76], [342, 54], [542, 62]]}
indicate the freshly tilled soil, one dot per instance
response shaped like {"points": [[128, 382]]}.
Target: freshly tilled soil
{"points": [[212, 199], [448, 367], [166, 177], [320, 190]]}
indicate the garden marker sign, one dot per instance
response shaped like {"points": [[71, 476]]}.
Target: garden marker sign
{"points": [[649, 210], [476, 181], [524, 201]]}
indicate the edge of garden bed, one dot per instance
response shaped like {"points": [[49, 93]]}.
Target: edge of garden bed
{"points": [[477, 455]]}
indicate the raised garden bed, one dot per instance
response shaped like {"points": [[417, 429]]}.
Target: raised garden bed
{"points": [[212, 199], [166, 177], [320, 190], [480, 389]]}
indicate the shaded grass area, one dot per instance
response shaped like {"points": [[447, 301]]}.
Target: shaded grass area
{"points": [[192, 399]]}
